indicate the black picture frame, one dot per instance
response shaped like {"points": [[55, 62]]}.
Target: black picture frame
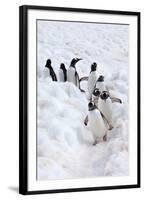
{"points": [[23, 98]]}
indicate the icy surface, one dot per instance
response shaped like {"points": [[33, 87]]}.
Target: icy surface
{"points": [[64, 144]]}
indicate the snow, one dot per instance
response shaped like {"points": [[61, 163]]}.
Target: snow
{"points": [[64, 143]]}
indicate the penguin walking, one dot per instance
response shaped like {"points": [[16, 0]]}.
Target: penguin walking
{"points": [[72, 75], [103, 87], [96, 123], [62, 73], [105, 107], [93, 76], [95, 99], [49, 71]]}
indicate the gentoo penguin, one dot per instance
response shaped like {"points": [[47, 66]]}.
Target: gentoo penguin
{"points": [[105, 107], [93, 76], [50, 71], [96, 123], [100, 84], [62, 73], [72, 75], [103, 87], [113, 99], [95, 98]]}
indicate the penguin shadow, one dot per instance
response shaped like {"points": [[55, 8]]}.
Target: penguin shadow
{"points": [[14, 189]]}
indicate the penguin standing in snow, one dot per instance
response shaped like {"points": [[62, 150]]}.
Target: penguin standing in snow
{"points": [[62, 73], [101, 86], [50, 71], [95, 99], [96, 123], [105, 107], [93, 76], [72, 75]]}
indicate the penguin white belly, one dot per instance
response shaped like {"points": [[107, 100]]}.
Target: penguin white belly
{"points": [[91, 82], [106, 108], [71, 75], [61, 75], [95, 100], [46, 73], [101, 86], [96, 124]]}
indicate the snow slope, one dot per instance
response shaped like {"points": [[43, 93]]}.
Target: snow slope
{"points": [[64, 144]]}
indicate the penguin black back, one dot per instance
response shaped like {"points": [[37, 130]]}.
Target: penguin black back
{"points": [[62, 67], [52, 73], [100, 79]]}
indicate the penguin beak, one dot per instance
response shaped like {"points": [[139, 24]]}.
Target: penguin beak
{"points": [[79, 59]]}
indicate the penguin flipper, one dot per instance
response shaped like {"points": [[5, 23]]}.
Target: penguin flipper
{"points": [[105, 138], [86, 120], [107, 121], [85, 78], [77, 80], [115, 99], [53, 75]]}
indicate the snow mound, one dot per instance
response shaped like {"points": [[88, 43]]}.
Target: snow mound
{"points": [[64, 144]]}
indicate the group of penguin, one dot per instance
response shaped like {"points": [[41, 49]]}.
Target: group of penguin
{"points": [[99, 117], [70, 75]]}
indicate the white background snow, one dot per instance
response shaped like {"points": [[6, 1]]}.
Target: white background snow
{"points": [[64, 144]]}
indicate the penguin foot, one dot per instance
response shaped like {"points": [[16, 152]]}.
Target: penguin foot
{"points": [[105, 138], [82, 90], [110, 127], [114, 99], [95, 142], [85, 123]]}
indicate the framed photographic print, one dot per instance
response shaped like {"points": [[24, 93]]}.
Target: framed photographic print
{"points": [[79, 99]]}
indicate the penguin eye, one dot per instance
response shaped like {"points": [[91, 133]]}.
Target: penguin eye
{"points": [[96, 92]]}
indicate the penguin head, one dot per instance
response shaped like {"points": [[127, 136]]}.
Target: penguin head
{"points": [[100, 79], [94, 66], [48, 63], [104, 95], [62, 66], [96, 92], [91, 106], [74, 61]]}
